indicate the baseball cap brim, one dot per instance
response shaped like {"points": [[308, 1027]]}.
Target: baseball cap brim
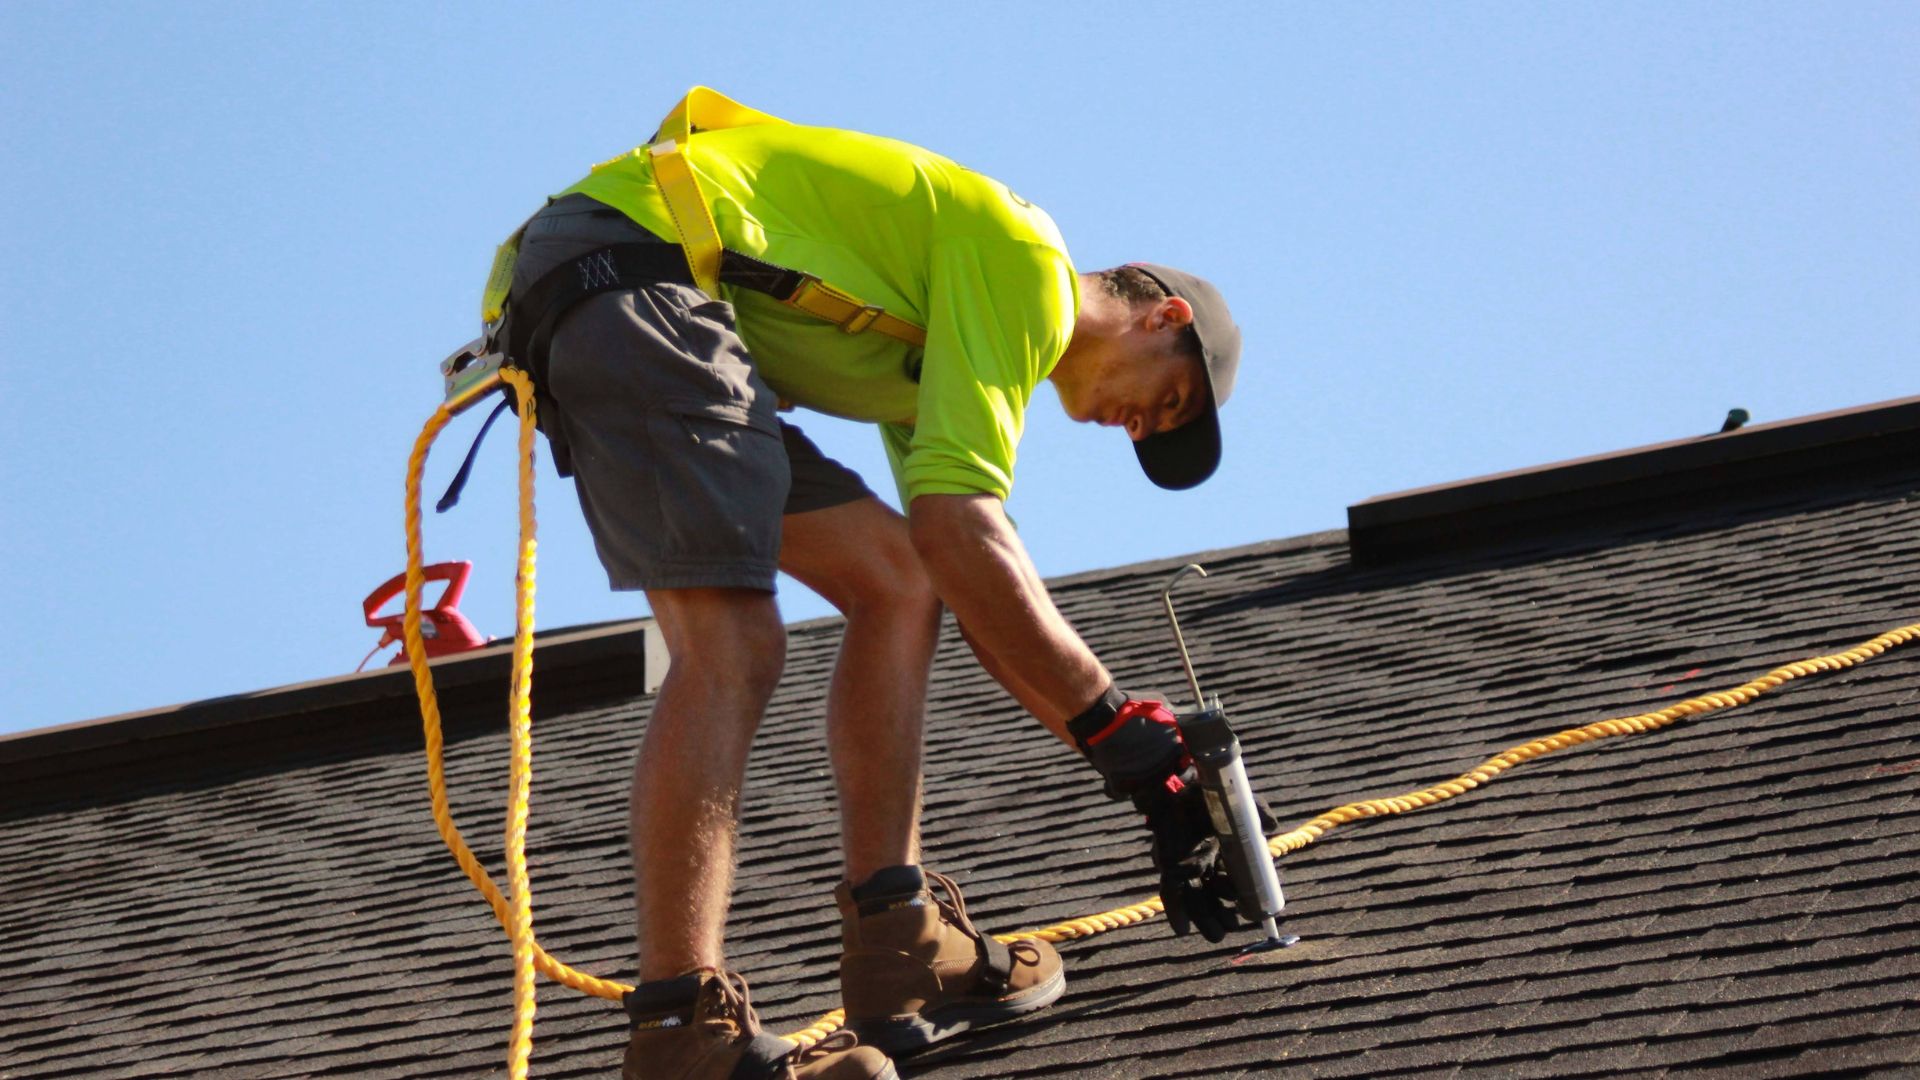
{"points": [[1184, 457]]}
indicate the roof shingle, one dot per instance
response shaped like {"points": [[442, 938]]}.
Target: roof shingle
{"points": [[1737, 894]]}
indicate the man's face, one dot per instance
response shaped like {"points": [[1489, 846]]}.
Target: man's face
{"points": [[1139, 380], [1145, 395]]}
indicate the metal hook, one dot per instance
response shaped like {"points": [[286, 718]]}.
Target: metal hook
{"points": [[1166, 597]]}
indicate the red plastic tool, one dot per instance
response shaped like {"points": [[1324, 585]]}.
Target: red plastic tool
{"points": [[442, 627]]}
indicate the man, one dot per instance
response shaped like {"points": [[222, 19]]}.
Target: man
{"points": [[661, 399]]}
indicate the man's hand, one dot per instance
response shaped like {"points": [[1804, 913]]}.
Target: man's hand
{"points": [[1195, 885], [1133, 744]]}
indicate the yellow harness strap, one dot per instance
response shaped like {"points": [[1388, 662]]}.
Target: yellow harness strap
{"points": [[823, 301], [493, 302], [708, 110], [699, 237]]}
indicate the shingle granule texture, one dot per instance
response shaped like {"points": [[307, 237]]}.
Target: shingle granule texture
{"points": [[1737, 895]]}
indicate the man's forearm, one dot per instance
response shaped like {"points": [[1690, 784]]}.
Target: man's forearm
{"points": [[982, 572], [1008, 679]]}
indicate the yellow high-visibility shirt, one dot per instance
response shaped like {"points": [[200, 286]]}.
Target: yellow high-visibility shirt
{"points": [[932, 242]]}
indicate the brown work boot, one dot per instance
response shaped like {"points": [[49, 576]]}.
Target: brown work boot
{"points": [[701, 1026], [915, 970]]}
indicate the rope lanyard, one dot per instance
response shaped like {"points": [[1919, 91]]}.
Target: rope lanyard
{"points": [[514, 909]]}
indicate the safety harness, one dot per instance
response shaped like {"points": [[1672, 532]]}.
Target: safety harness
{"points": [[707, 262], [519, 328]]}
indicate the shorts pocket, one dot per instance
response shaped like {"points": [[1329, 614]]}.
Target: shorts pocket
{"points": [[722, 480], [709, 361], [695, 415]]}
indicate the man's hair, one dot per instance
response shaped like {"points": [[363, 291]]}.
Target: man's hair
{"points": [[1135, 287], [1131, 285]]}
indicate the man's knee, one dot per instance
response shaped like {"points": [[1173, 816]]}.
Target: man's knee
{"points": [[888, 580], [729, 640]]}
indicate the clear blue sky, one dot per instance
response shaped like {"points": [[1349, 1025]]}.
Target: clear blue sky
{"points": [[1460, 239]]}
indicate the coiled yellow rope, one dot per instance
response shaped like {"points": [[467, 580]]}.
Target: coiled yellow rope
{"points": [[517, 915]]}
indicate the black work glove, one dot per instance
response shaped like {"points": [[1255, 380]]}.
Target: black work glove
{"points": [[1133, 744], [1195, 884]]}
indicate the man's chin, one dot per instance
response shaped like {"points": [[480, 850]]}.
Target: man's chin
{"points": [[1079, 412]]}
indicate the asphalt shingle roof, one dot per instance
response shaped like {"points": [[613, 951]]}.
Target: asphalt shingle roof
{"points": [[1735, 895]]}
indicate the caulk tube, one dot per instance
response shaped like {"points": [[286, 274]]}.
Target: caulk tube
{"points": [[1229, 795]]}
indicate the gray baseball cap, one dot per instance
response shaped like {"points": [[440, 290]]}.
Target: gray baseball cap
{"points": [[1182, 458]]}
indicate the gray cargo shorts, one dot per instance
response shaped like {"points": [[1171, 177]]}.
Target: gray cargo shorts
{"points": [[652, 402]]}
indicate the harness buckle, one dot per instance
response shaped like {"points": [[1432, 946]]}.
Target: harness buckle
{"points": [[860, 318], [471, 372]]}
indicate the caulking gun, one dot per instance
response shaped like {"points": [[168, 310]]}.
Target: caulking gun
{"points": [[1231, 805]]}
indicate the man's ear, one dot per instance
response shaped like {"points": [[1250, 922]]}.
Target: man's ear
{"points": [[1171, 312]]}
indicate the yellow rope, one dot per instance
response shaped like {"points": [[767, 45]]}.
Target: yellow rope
{"points": [[520, 726], [430, 719], [1295, 839], [517, 916], [1626, 725]]}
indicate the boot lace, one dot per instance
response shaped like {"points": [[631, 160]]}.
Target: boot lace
{"points": [[839, 1042], [954, 906], [729, 1012]]}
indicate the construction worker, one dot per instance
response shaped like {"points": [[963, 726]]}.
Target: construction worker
{"points": [[661, 398]]}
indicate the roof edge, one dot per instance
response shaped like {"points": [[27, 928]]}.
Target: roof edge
{"points": [[555, 651], [1581, 491], [1324, 538], [555, 654]]}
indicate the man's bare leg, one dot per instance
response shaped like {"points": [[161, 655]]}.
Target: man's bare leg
{"points": [[728, 648], [858, 555]]}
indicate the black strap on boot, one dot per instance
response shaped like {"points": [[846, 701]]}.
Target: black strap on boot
{"points": [[996, 964], [649, 1003], [764, 1057]]}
